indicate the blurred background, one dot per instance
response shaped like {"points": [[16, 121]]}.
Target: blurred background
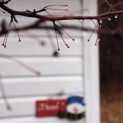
{"points": [[111, 67], [34, 70]]}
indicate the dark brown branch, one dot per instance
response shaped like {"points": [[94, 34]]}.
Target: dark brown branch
{"points": [[49, 18], [38, 25]]}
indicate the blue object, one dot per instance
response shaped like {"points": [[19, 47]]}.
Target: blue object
{"points": [[76, 99]]}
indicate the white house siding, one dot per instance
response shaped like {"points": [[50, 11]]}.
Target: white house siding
{"points": [[70, 73]]}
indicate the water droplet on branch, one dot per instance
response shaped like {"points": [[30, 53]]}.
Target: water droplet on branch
{"points": [[109, 19], [101, 21], [116, 16]]}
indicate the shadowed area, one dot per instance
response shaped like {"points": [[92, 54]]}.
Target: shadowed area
{"points": [[111, 68]]}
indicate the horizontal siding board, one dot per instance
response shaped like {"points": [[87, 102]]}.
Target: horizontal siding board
{"points": [[39, 120], [20, 91], [33, 47], [18, 87], [20, 107], [23, 5], [46, 66]]}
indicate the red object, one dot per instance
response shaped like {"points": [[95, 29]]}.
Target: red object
{"points": [[50, 107]]}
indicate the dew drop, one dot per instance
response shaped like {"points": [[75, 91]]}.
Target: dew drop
{"points": [[109, 19], [100, 21], [116, 16]]}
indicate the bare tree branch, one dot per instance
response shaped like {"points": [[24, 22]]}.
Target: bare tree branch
{"points": [[52, 18]]}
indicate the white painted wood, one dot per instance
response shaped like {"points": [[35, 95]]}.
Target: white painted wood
{"points": [[46, 66], [80, 61], [91, 70], [32, 47], [30, 5], [39, 120], [34, 86], [23, 91], [21, 107]]}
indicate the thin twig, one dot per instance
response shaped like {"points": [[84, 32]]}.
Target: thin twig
{"points": [[20, 63], [3, 94]]}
